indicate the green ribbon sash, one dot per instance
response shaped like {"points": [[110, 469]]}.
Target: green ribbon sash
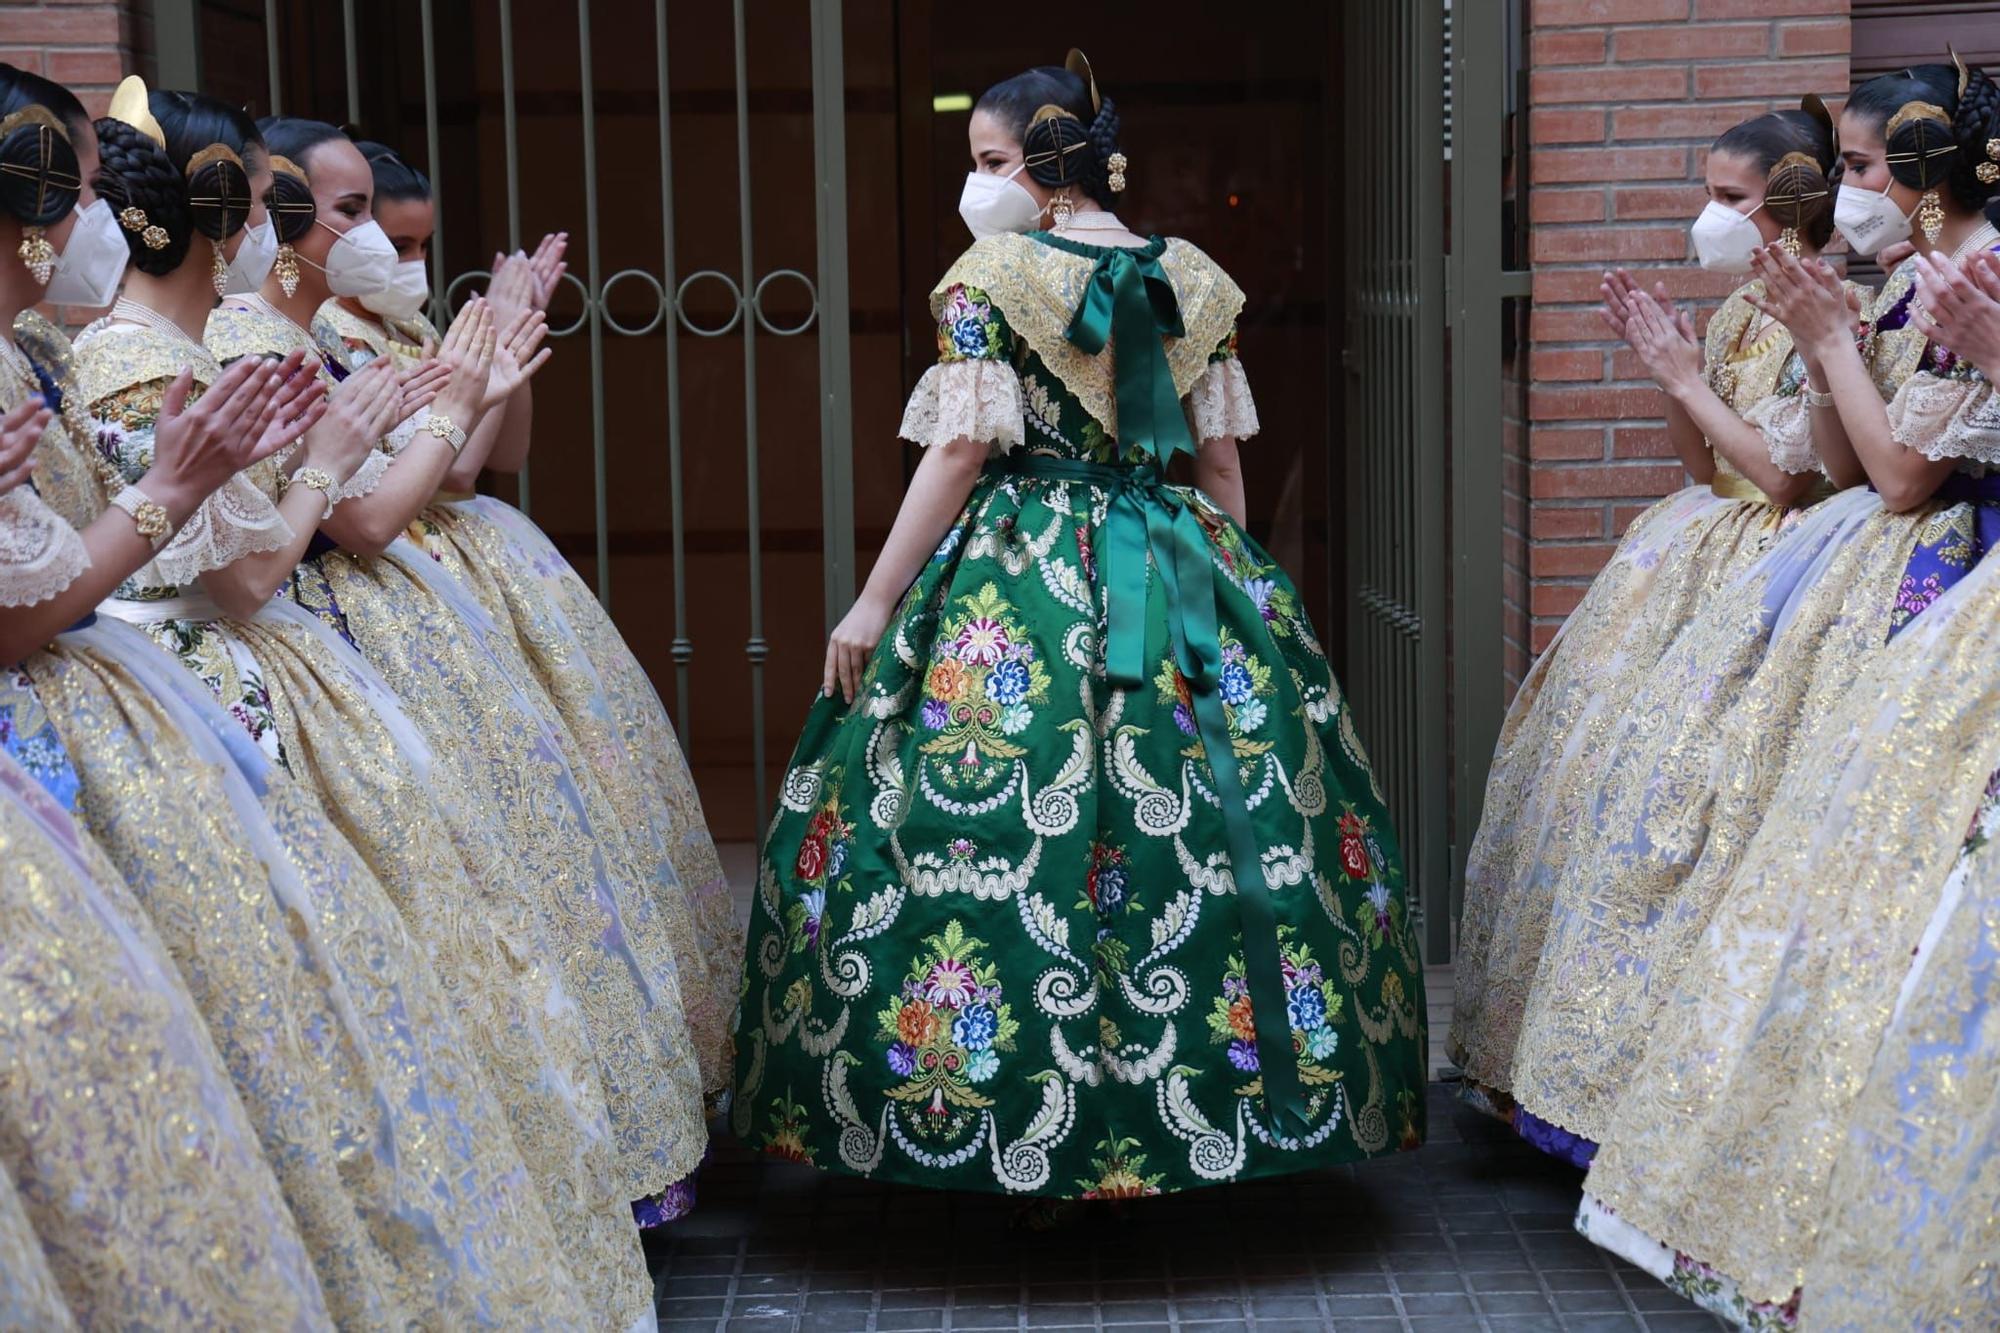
{"points": [[1130, 306]]}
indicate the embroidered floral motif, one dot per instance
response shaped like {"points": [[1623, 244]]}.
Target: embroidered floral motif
{"points": [[1244, 684], [1313, 1004], [820, 864], [968, 329], [945, 1031], [784, 1138], [1107, 893], [1117, 1172], [985, 676]]}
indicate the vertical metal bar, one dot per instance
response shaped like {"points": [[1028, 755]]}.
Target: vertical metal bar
{"points": [[600, 489], [510, 131], [436, 162], [1429, 534], [683, 646], [836, 416], [756, 650], [354, 65], [271, 55], [177, 41]]}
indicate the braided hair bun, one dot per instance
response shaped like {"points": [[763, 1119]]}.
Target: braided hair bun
{"points": [[1072, 148], [290, 200], [1976, 124], [39, 176], [219, 196], [1799, 199], [1935, 135], [135, 173]]}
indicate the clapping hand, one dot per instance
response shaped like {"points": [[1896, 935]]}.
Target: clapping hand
{"points": [[20, 431]]}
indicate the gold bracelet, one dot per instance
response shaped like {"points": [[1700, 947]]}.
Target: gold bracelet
{"points": [[445, 429], [1814, 398], [148, 515], [314, 479]]}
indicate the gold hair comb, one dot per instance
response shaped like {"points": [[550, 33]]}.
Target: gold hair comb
{"points": [[132, 105]]}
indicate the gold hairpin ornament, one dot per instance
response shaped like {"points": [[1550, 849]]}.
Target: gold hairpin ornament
{"points": [[1078, 64], [1114, 167], [133, 219], [133, 105], [1989, 170]]}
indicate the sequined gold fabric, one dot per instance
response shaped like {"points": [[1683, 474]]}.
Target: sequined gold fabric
{"points": [[425, 635], [1672, 561], [133, 1192], [1040, 287], [1725, 1140]]}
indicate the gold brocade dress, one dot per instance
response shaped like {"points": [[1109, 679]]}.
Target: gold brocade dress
{"points": [[132, 1191], [554, 627], [316, 709], [1720, 1152], [1741, 699], [494, 730], [1670, 563], [394, 1157]]}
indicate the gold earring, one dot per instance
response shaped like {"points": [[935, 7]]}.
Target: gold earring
{"points": [[1930, 216], [37, 253], [1061, 209], [1116, 165], [218, 271], [287, 268], [1788, 241]]}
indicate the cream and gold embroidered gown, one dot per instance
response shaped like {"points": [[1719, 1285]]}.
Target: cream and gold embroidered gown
{"points": [[438, 849], [1694, 767], [132, 1189], [394, 1157], [1716, 1165], [594, 899], [1670, 562], [554, 627]]}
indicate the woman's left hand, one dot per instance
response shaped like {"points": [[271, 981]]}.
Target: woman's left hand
{"points": [[849, 646], [1665, 343], [517, 355], [1806, 297], [1954, 309]]}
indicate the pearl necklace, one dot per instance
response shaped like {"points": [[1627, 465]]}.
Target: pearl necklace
{"points": [[1095, 220]]}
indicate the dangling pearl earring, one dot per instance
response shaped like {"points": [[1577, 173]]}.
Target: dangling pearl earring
{"points": [[287, 269], [1061, 209], [1930, 216], [1788, 241], [37, 253], [218, 271]]}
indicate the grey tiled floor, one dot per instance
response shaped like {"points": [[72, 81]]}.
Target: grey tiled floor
{"points": [[1472, 1232]]}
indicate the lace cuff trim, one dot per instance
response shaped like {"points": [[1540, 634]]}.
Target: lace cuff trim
{"points": [[976, 400], [1785, 421], [40, 554], [366, 477], [1220, 405], [237, 520], [1947, 418]]}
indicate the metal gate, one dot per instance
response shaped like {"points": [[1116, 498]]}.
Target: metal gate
{"points": [[1393, 178], [659, 295]]}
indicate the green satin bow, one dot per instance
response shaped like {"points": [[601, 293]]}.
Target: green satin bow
{"points": [[1130, 302]]}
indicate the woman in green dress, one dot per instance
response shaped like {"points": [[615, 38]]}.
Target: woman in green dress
{"points": [[1014, 929]]}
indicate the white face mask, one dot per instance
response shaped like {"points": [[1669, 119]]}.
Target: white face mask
{"points": [[1724, 239], [406, 293], [361, 260], [255, 254], [1868, 220], [993, 204], [93, 259]]}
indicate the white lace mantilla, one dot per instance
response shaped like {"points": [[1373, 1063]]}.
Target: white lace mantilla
{"points": [[1947, 418], [973, 400], [1785, 421], [40, 554], [1219, 404]]}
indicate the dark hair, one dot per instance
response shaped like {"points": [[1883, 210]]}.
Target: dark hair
{"points": [[1794, 150], [183, 189], [291, 199], [1069, 151], [394, 178], [44, 184], [1924, 154], [295, 137]]}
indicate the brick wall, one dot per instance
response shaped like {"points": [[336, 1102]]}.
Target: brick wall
{"points": [[86, 45], [1625, 96]]}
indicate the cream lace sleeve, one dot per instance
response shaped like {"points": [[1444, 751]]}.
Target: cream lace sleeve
{"points": [[976, 400], [1948, 417], [1785, 421], [40, 554], [1220, 404], [369, 475]]}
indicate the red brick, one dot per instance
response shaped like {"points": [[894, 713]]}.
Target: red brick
{"points": [[1782, 79], [1596, 403], [1767, 9], [1566, 443], [1609, 244], [1624, 516], [1566, 522], [1650, 83], [1570, 166], [91, 66], [1575, 13], [23, 57], [1642, 442], [1572, 286], [1567, 364], [1659, 201], [1555, 599], [1715, 41], [1542, 635], [1572, 47], [1831, 38], [1565, 205], [1564, 125], [1569, 561], [1599, 481], [1702, 121], [1560, 326], [69, 26]]}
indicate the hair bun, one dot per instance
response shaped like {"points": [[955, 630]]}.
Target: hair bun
{"points": [[134, 172], [219, 196], [290, 200], [39, 175], [1796, 192], [1056, 148]]}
